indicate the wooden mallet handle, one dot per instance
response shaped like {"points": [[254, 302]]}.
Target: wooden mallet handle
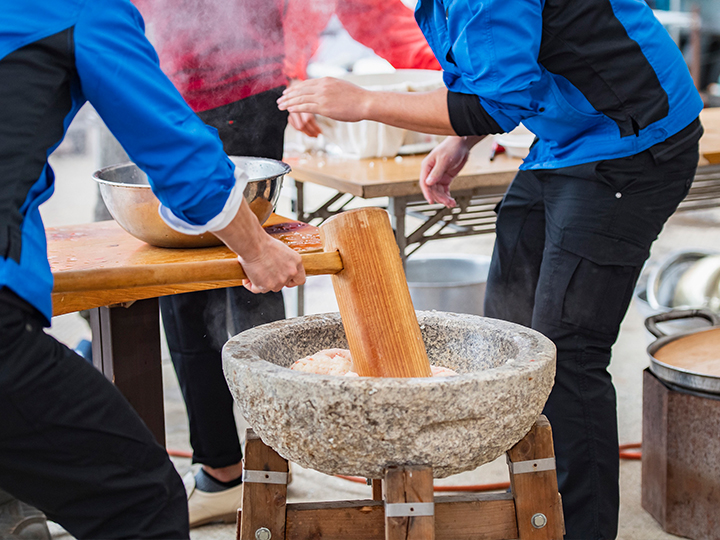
{"points": [[373, 296], [154, 275]]}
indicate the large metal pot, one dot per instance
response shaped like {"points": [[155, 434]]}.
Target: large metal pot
{"points": [[129, 199], [698, 285], [690, 360], [662, 279], [656, 290], [454, 283]]}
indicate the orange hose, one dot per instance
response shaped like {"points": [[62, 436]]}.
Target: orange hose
{"points": [[630, 455], [502, 485], [478, 487], [179, 453], [471, 488]]}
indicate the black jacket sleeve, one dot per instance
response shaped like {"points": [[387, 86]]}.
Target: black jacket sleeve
{"points": [[468, 117]]}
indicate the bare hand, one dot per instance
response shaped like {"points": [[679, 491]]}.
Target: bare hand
{"points": [[441, 166], [277, 266], [305, 123], [336, 99], [269, 264]]}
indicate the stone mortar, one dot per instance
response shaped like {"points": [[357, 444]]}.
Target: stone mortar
{"points": [[360, 426]]}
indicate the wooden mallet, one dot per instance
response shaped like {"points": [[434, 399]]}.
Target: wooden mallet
{"points": [[372, 294], [360, 253]]}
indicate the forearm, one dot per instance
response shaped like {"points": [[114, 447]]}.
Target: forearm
{"points": [[244, 235], [269, 264], [426, 112], [340, 100]]}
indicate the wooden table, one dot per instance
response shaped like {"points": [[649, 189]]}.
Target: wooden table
{"points": [[477, 189], [125, 320], [710, 142]]}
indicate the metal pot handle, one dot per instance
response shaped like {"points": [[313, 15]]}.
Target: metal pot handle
{"points": [[674, 315]]}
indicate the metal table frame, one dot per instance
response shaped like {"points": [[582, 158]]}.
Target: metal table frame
{"points": [[474, 214]]}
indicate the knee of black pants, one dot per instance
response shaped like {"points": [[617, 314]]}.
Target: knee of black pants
{"points": [[72, 446]]}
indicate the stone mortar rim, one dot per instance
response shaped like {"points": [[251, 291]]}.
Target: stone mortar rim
{"points": [[246, 342]]}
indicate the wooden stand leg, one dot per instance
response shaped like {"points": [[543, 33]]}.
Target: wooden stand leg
{"points": [[534, 485], [377, 490], [409, 504], [264, 492]]}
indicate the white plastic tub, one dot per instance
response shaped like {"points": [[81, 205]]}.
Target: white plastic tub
{"points": [[368, 139]]}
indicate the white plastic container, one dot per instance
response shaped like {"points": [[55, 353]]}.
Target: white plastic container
{"points": [[516, 143], [366, 139]]}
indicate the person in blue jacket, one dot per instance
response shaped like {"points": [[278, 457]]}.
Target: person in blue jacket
{"points": [[615, 114], [70, 444]]}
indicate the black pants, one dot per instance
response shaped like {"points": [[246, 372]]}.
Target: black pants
{"points": [[196, 324], [71, 445], [570, 246]]}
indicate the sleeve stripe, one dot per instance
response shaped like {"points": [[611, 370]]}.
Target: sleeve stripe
{"points": [[469, 117]]}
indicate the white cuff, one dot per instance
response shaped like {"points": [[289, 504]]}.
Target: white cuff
{"points": [[217, 223]]}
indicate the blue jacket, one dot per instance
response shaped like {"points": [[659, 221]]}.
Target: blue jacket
{"points": [[593, 79], [55, 55]]}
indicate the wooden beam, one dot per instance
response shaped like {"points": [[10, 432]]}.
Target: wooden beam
{"points": [[377, 489], [263, 503], [407, 486], [157, 275], [126, 348], [533, 480], [485, 516]]}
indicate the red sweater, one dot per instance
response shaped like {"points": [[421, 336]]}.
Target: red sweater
{"points": [[220, 51], [388, 27], [217, 51]]}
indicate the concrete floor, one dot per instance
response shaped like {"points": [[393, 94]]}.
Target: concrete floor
{"points": [[73, 203]]}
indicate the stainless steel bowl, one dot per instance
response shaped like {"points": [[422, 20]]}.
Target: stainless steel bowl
{"points": [[131, 202]]}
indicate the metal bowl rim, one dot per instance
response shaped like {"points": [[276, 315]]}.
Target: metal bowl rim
{"points": [[96, 175], [681, 376]]}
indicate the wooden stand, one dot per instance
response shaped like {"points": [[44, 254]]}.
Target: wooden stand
{"points": [[406, 509]]}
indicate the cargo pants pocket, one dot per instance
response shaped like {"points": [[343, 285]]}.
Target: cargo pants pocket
{"points": [[581, 293], [597, 296]]}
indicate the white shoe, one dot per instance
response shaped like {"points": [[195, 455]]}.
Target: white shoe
{"points": [[205, 507], [20, 521]]}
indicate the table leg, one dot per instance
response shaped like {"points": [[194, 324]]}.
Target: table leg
{"points": [[299, 202], [299, 215], [126, 348], [397, 207]]}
